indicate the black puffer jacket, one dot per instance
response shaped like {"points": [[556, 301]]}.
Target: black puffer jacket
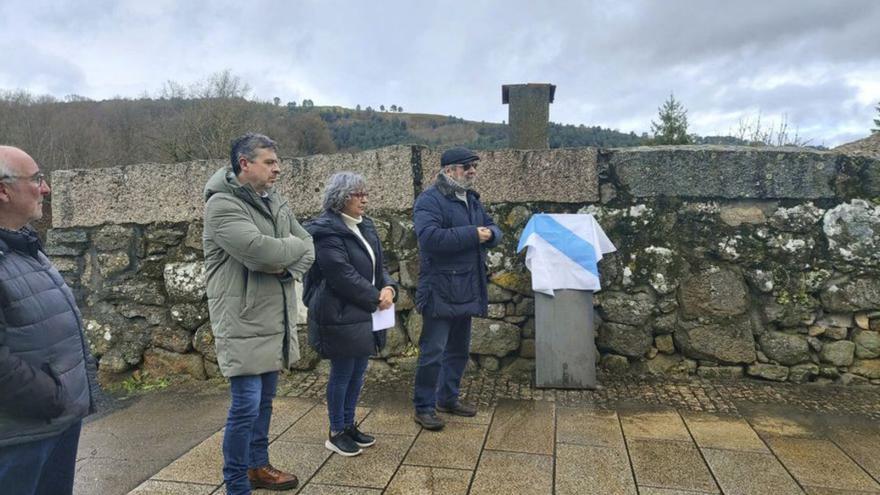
{"points": [[46, 370], [338, 289]]}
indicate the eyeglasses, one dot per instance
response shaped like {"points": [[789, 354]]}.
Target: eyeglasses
{"points": [[467, 166], [38, 178], [360, 195]]}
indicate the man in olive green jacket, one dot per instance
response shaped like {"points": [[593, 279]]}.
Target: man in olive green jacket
{"points": [[254, 249]]}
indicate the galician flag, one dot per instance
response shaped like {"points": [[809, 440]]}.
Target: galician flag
{"points": [[564, 250]]}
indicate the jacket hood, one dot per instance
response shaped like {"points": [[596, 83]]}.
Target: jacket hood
{"points": [[225, 181]]}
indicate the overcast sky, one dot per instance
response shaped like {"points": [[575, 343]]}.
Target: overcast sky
{"points": [[614, 62]]}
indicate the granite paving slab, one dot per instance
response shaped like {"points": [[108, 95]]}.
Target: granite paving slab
{"points": [[522, 426], [458, 445], [820, 490], [779, 425], [286, 411], [202, 464], [659, 425], [320, 489], [483, 417], [676, 465], [513, 472], [132, 438], [314, 426], [861, 443], [396, 420], [372, 469], [586, 427], [723, 432], [743, 473], [155, 487], [582, 469], [820, 463], [650, 490], [422, 480]]}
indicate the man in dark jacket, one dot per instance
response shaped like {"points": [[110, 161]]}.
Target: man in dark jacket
{"points": [[47, 374], [454, 234]]}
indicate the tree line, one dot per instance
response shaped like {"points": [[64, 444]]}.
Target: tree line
{"points": [[183, 123], [197, 122]]}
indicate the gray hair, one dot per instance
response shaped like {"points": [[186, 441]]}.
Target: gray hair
{"points": [[340, 187], [246, 146], [5, 166], [5, 169]]}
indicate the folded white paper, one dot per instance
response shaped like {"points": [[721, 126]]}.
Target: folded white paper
{"points": [[383, 318]]}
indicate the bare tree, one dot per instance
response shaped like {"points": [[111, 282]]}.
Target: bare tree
{"points": [[311, 135]]}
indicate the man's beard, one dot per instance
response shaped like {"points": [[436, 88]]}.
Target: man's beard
{"points": [[465, 182]]}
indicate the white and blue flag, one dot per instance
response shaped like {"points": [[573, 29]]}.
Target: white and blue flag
{"points": [[564, 250]]}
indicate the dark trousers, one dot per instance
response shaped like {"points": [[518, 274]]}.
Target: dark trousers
{"points": [[443, 355], [343, 390], [246, 440], [42, 467]]}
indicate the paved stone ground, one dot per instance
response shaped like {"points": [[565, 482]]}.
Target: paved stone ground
{"points": [[631, 437], [695, 394]]}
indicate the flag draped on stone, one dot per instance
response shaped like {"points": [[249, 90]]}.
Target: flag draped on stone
{"points": [[564, 250]]}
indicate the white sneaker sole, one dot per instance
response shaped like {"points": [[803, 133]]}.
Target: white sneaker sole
{"points": [[364, 445], [329, 445]]}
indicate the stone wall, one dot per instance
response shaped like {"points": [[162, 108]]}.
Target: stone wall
{"points": [[731, 262]]}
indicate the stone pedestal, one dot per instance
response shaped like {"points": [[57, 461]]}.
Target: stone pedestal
{"points": [[564, 341]]}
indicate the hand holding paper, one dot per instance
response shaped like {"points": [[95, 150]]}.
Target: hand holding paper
{"points": [[383, 318]]}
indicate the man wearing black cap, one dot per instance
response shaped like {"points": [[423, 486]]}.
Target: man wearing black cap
{"points": [[454, 234]]}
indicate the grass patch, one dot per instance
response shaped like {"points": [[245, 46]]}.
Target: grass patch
{"points": [[143, 382]]}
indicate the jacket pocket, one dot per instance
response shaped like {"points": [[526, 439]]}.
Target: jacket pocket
{"points": [[249, 291], [456, 285], [58, 404]]}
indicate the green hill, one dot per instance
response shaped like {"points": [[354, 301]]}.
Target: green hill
{"points": [[366, 129], [80, 133]]}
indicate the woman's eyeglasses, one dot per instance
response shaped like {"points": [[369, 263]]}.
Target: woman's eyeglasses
{"points": [[360, 195]]}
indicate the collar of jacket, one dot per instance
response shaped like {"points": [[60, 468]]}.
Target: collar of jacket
{"points": [[442, 184], [331, 223], [23, 241], [224, 180]]}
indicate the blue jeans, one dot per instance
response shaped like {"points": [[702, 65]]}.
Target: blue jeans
{"points": [[343, 390], [443, 355], [246, 440], [42, 467]]}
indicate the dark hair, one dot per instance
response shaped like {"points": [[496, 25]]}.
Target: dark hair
{"points": [[246, 146]]}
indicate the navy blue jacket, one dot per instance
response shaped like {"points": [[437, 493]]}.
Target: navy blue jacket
{"points": [[46, 370], [338, 289], [452, 277]]}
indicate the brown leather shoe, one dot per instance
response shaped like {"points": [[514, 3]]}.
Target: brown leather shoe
{"points": [[271, 479]]}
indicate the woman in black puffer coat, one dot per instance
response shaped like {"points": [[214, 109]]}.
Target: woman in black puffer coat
{"points": [[345, 286]]}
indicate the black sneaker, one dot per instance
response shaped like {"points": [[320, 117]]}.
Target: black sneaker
{"points": [[429, 420], [359, 437], [459, 409], [342, 444]]}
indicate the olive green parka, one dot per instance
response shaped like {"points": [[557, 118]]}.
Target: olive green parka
{"points": [[253, 253]]}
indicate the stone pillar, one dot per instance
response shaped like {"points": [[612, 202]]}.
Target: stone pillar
{"points": [[565, 346], [529, 114]]}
